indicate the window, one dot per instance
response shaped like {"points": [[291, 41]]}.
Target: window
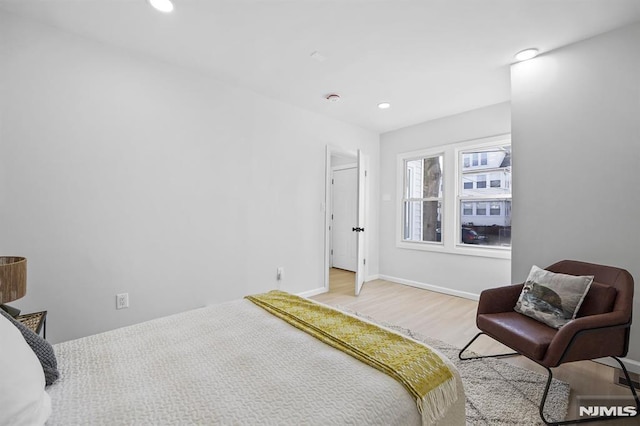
{"points": [[475, 159], [492, 221], [495, 180], [483, 158], [456, 198], [422, 200]]}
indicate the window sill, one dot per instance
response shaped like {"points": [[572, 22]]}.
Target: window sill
{"points": [[458, 249]]}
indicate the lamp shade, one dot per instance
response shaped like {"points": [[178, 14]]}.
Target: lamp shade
{"points": [[13, 278]]}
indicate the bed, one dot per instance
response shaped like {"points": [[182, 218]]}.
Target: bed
{"points": [[231, 363]]}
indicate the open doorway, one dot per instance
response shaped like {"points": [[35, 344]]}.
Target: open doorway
{"points": [[344, 215], [344, 242]]}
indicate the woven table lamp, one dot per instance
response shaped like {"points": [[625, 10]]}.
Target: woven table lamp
{"points": [[13, 281]]}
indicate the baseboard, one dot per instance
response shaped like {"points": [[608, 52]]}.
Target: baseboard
{"points": [[314, 292], [632, 365], [438, 289]]}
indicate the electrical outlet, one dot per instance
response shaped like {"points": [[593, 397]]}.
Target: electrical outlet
{"points": [[122, 300], [280, 273]]}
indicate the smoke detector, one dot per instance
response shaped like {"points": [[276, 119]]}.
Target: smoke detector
{"points": [[333, 97], [318, 56]]}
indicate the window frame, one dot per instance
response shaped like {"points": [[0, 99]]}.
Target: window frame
{"points": [[451, 208], [488, 199], [407, 199]]}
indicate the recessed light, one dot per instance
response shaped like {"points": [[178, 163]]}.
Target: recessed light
{"points": [[526, 54], [164, 6], [384, 105]]}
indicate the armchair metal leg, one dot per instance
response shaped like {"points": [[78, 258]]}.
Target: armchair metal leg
{"points": [[481, 356], [631, 386], [588, 419]]}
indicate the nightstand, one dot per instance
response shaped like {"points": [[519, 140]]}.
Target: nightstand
{"points": [[35, 322]]}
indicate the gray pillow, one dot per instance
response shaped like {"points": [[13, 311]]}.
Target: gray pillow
{"points": [[42, 349], [552, 298]]}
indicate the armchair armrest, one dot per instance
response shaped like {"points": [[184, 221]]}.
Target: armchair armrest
{"points": [[500, 299], [598, 324], [609, 319]]}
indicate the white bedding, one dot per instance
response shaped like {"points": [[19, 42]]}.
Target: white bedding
{"points": [[231, 364]]}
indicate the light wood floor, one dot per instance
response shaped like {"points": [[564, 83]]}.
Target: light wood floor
{"points": [[452, 320]]}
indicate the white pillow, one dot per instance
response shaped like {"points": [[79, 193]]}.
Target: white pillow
{"points": [[22, 395]]}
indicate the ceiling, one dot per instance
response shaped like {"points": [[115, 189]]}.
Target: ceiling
{"points": [[428, 58]]}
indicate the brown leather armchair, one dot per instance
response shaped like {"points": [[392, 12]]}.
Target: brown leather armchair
{"points": [[601, 328]]}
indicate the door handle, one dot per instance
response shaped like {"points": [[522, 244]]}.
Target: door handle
{"points": [[357, 229]]}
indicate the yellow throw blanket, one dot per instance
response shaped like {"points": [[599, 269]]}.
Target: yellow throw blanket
{"points": [[419, 369]]}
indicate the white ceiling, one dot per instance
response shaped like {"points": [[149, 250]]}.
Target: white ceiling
{"points": [[429, 58]]}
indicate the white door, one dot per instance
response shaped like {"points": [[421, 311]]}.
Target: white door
{"points": [[359, 228], [344, 216]]}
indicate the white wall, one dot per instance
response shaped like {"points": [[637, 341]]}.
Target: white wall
{"points": [[122, 173], [457, 273], [576, 144]]}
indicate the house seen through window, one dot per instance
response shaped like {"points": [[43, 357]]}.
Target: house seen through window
{"points": [[486, 210]]}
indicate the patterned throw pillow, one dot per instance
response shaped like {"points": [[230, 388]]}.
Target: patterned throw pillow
{"points": [[42, 349], [552, 298]]}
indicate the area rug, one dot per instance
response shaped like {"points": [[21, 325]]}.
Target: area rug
{"points": [[498, 393]]}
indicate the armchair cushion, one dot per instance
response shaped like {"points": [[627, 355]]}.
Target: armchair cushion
{"points": [[599, 300], [552, 298], [519, 332]]}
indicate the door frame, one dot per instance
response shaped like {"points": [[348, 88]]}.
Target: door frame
{"points": [[340, 152]]}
